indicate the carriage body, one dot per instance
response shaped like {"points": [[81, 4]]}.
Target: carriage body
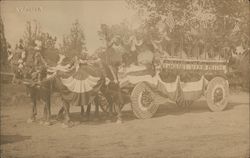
{"points": [[182, 81]]}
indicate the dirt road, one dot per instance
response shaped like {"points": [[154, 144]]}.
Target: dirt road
{"points": [[171, 133]]}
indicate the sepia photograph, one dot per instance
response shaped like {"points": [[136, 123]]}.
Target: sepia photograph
{"points": [[124, 79]]}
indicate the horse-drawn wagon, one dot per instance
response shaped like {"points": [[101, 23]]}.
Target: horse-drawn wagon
{"points": [[179, 80]]}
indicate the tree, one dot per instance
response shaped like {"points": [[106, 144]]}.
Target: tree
{"points": [[107, 33], [32, 33], [206, 22], [74, 43], [3, 44]]}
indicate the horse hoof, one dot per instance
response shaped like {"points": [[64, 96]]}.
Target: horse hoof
{"points": [[64, 125], [59, 118], [77, 123], [119, 121], [68, 125], [97, 119], [30, 120], [85, 119], [108, 121], [47, 123]]}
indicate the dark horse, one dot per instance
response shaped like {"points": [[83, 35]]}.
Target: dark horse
{"points": [[73, 89], [43, 88], [37, 90], [40, 91]]}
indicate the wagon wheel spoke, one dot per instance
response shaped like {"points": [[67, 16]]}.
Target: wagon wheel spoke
{"points": [[143, 103]]}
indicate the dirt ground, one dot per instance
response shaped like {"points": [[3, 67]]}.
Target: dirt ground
{"points": [[170, 133]]}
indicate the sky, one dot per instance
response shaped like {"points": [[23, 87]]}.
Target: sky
{"points": [[56, 17]]}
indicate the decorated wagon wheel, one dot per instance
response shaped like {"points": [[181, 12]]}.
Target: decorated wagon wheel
{"points": [[217, 94], [143, 103]]}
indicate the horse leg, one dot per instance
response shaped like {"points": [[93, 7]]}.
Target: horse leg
{"points": [[96, 102], [46, 117], [60, 113], [33, 112], [45, 112], [49, 107], [88, 112], [119, 113], [110, 108], [48, 110], [118, 106], [67, 117], [82, 114], [82, 110], [33, 108], [27, 91]]}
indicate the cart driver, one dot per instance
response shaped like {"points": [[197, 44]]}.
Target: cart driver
{"points": [[143, 59]]}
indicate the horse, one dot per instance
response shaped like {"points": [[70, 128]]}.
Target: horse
{"points": [[23, 72], [40, 91], [96, 77]]}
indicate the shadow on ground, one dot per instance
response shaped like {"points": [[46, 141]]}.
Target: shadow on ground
{"points": [[6, 139], [199, 106]]}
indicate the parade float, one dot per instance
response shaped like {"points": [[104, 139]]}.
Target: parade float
{"points": [[179, 79]]}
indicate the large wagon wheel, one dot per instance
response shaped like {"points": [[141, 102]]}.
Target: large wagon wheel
{"points": [[143, 103], [217, 94]]}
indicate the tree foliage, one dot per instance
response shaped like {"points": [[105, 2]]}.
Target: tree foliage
{"points": [[74, 43], [3, 44], [107, 33], [32, 33], [193, 22]]}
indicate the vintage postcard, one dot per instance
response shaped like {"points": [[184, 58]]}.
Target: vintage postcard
{"points": [[124, 78]]}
